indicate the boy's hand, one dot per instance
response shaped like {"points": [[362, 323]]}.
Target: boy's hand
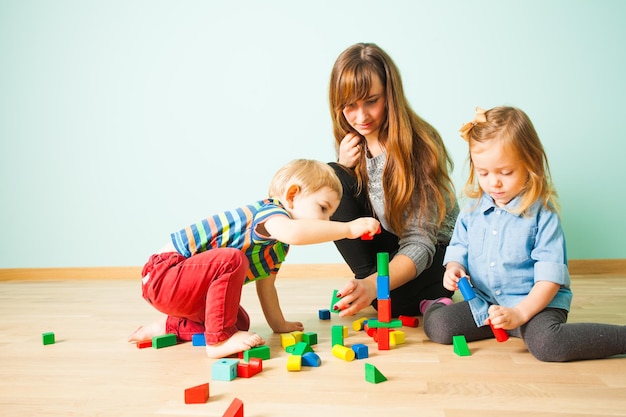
{"points": [[362, 226], [504, 317], [288, 327], [350, 150]]}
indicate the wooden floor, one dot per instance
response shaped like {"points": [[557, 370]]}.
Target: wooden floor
{"points": [[92, 371]]}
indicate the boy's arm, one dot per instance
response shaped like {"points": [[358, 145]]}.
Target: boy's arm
{"points": [[310, 231], [268, 297], [537, 299]]}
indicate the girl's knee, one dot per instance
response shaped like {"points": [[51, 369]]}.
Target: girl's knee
{"points": [[436, 327]]}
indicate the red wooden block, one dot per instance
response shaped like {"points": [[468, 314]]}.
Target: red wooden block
{"points": [[409, 321], [500, 334], [384, 311], [235, 409], [197, 395], [383, 338], [144, 344], [257, 364]]}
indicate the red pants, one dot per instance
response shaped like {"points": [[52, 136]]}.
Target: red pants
{"points": [[199, 294]]}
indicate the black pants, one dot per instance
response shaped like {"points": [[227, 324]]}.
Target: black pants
{"points": [[361, 255]]}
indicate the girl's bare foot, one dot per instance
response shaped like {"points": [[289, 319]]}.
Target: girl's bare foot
{"points": [[146, 332], [238, 342]]}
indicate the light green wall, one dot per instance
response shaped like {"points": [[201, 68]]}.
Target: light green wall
{"points": [[121, 121]]}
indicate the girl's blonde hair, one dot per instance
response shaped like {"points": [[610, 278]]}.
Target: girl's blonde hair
{"points": [[416, 174], [513, 128], [310, 175]]}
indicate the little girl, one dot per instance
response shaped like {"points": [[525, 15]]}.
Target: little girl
{"points": [[196, 279], [509, 243]]}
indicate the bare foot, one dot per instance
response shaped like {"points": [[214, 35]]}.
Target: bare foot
{"points": [[238, 342], [146, 332]]}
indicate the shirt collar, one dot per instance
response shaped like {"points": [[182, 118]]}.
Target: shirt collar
{"points": [[487, 205]]}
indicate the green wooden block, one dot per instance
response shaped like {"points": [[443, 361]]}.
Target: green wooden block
{"points": [[162, 341], [460, 345], [301, 348], [373, 375], [336, 335], [48, 338], [261, 352], [334, 301], [375, 324], [310, 338]]}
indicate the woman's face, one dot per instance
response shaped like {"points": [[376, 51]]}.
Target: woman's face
{"points": [[366, 116]]}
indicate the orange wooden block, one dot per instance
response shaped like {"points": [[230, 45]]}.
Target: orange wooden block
{"points": [[197, 395], [383, 338], [384, 311], [409, 321], [144, 344], [235, 409]]}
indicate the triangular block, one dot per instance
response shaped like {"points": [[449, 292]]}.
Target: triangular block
{"points": [[235, 409], [373, 375], [460, 345]]}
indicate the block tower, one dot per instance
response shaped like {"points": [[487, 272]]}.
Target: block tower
{"points": [[384, 322]]}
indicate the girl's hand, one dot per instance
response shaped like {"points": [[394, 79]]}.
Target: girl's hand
{"points": [[451, 277], [288, 327], [356, 295], [361, 226], [350, 150], [504, 317]]}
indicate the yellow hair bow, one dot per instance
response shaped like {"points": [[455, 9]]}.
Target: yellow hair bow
{"points": [[479, 117]]}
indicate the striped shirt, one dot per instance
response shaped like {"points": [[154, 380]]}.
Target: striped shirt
{"points": [[237, 229]]}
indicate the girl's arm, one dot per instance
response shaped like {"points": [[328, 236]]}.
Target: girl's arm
{"points": [[537, 299], [310, 231], [268, 297]]}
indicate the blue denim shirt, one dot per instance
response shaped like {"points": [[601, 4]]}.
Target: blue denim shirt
{"points": [[505, 253]]}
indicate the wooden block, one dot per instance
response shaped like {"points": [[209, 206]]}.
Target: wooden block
{"points": [[311, 359], [294, 363], [361, 351], [162, 341], [357, 325], [324, 314], [197, 395], [235, 409], [396, 337], [310, 338], [48, 338], [336, 335], [383, 338], [343, 352], [382, 287], [409, 321], [261, 352], [286, 340], [224, 369], [334, 301], [142, 344], [460, 345], [384, 311], [198, 339], [390, 325], [373, 375], [301, 348]]}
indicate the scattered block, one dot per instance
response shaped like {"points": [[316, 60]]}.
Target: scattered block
{"points": [[224, 369], [324, 314], [261, 352], [501, 335], [343, 352], [197, 395], [198, 339], [396, 337], [301, 348], [336, 335], [409, 321], [373, 375], [334, 301], [162, 341], [142, 344], [294, 363], [248, 370], [357, 325], [310, 338], [311, 359], [286, 340], [460, 345], [48, 338], [235, 409], [361, 351]]}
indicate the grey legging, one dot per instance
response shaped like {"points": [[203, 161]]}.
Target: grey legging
{"points": [[547, 336]]}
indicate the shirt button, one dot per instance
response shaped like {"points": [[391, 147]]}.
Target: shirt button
{"points": [[494, 232], [492, 264], [498, 292]]}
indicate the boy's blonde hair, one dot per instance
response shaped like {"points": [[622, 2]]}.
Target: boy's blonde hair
{"points": [[310, 175], [513, 128]]}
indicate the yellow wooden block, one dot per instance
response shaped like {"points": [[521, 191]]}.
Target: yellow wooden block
{"points": [[396, 337], [294, 363], [298, 336], [345, 331], [343, 352], [357, 325], [287, 339]]}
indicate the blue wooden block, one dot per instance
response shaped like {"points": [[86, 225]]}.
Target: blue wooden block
{"points": [[360, 351], [466, 289], [382, 287], [311, 359], [324, 314], [224, 369], [198, 339]]}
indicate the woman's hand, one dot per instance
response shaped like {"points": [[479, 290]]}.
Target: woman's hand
{"points": [[356, 295], [350, 150]]}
